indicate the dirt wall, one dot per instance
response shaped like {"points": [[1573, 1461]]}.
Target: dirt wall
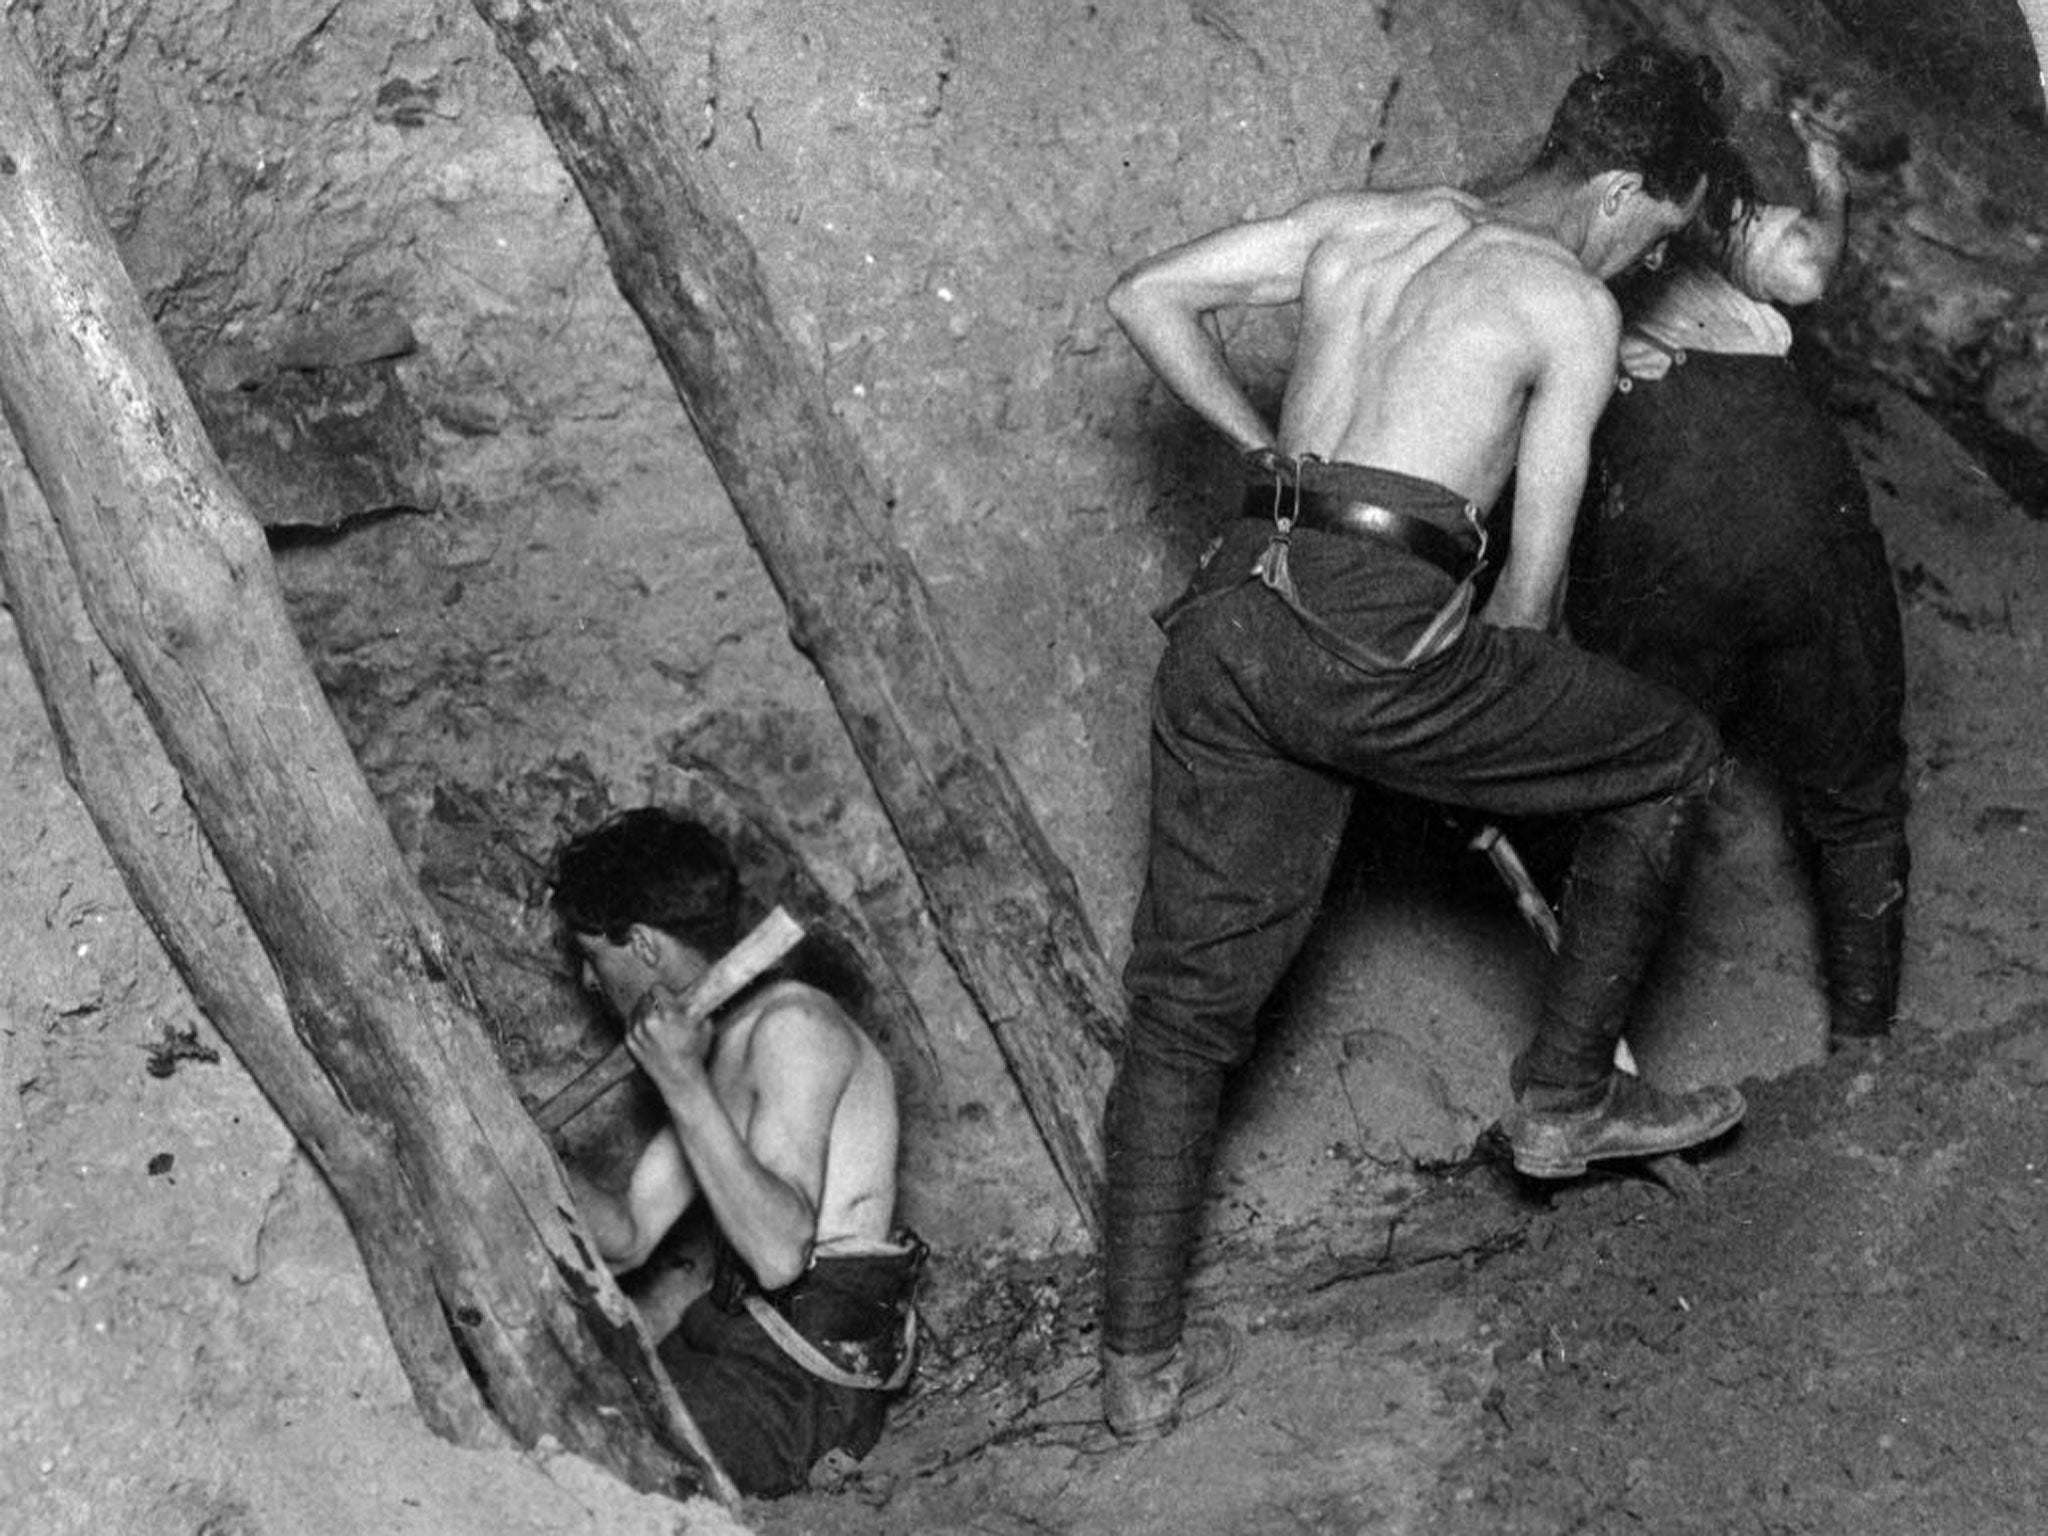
{"points": [[548, 603], [530, 602]]}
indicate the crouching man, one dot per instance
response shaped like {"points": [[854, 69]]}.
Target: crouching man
{"points": [[782, 1119]]}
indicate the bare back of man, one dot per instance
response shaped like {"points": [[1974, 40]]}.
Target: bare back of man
{"points": [[1422, 358], [1441, 337]]}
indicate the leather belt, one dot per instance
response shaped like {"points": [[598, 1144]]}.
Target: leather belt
{"points": [[1447, 551]]}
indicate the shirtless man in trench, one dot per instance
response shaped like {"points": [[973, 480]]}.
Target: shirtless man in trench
{"points": [[1446, 341], [782, 1119]]}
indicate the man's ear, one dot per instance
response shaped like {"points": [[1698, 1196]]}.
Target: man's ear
{"points": [[645, 944], [1615, 189]]}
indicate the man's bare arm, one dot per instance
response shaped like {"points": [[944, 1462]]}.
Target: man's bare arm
{"points": [[1571, 388], [627, 1226], [1164, 304], [763, 1184], [1797, 261]]}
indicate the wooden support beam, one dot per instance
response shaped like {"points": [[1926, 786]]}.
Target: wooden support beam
{"points": [[1006, 908], [151, 615], [2035, 14]]}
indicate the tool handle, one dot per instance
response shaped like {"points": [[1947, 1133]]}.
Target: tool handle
{"points": [[1529, 899], [1536, 911], [765, 944]]}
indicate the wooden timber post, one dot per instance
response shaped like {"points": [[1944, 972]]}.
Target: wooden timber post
{"points": [[138, 576], [1006, 908], [2035, 14]]}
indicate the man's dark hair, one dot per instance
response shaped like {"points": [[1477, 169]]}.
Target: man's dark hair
{"points": [[1732, 196], [1649, 109], [648, 866]]}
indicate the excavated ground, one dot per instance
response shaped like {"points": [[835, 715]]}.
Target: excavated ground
{"points": [[1841, 1334]]}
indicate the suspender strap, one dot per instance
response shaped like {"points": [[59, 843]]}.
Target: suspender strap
{"points": [[814, 1360]]}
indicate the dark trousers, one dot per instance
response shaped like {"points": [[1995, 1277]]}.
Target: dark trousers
{"points": [[1260, 732], [766, 1418], [1751, 579]]}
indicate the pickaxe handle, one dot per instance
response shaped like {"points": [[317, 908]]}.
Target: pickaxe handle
{"points": [[765, 944], [1535, 908], [1529, 900]]}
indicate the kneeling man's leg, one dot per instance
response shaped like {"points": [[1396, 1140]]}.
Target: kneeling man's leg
{"points": [[766, 1419]]}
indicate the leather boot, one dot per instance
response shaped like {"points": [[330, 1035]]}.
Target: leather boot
{"points": [[1146, 1396], [1860, 889], [1631, 1120]]}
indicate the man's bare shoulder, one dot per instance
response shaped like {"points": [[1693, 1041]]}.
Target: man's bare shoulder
{"points": [[1357, 245], [1400, 213], [1541, 257], [1540, 279], [789, 1018]]}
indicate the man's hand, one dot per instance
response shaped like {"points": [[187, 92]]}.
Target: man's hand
{"points": [[1642, 358], [1821, 117], [671, 1046], [1821, 133]]}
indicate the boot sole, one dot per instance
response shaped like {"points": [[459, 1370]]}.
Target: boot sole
{"points": [[1207, 1387], [1572, 1167]]}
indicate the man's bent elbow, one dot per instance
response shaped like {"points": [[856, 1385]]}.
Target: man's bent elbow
{"points": [[1137, 301], [609, 1220], [1123, 299], [1802, 282], [1798, 270], [622, 1245], [783, 1266]]}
